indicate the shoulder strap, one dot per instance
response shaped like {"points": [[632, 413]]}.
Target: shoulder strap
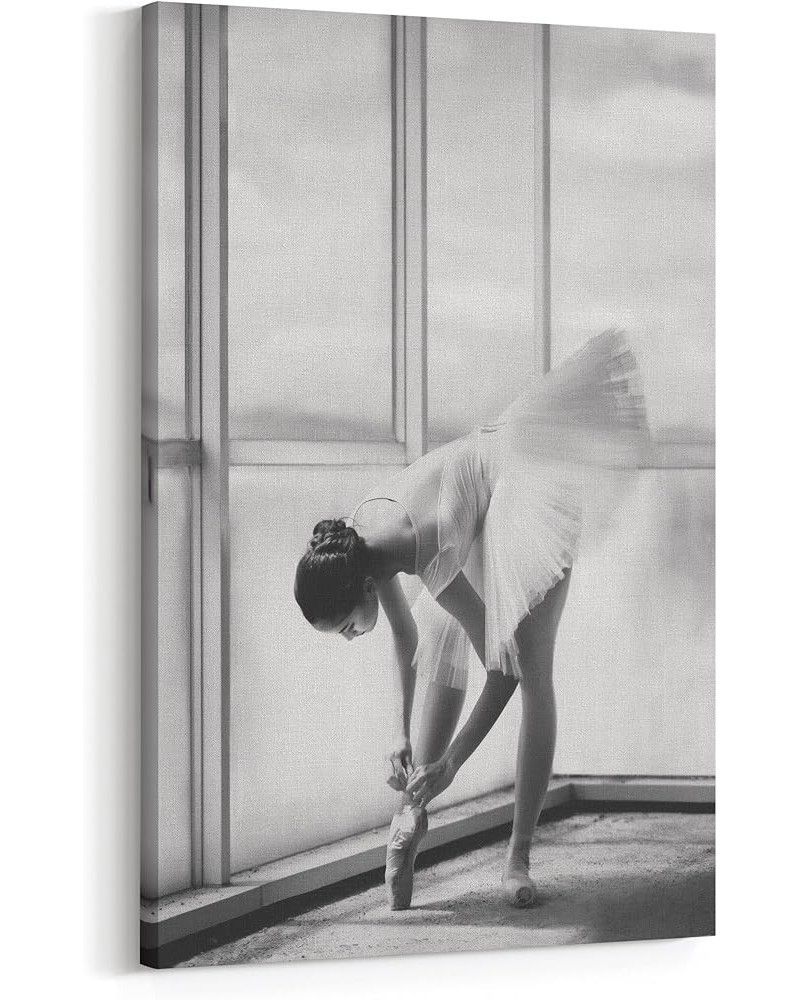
{"points": [[369, 500]]}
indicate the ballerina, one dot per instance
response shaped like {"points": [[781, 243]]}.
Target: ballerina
{"points": [[507, 498]]}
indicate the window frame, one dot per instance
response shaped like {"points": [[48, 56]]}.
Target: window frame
{"points": [[207, 451]]}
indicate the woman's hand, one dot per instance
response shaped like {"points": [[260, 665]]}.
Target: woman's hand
{"points": [[430, 780], [400, 759]]}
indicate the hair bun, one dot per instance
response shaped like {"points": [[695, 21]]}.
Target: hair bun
{"points": [[329, 581], [328, 530]]}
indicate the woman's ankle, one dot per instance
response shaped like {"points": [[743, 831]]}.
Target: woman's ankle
{"points": [[518, 852], [408, 808]]}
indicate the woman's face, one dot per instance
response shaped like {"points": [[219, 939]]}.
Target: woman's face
{"points": [[360, 620]]}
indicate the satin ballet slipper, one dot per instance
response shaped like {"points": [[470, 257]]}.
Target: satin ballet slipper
{"points": [[405, 835], [518, 889]]}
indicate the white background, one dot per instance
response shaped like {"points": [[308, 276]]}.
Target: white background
{"points": [[70, 410]]}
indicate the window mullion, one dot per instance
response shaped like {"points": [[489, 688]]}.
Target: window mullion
{"points": [[416, 292], [215, 686], [541, 186], [398, 230]]}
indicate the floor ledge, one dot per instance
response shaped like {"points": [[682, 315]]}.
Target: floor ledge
{"points": [[194, 911]]}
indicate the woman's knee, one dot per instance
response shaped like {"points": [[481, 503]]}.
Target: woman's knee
{"points": [[537, 690]]}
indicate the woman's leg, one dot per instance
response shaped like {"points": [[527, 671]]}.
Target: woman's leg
{"points": [[536, 636], [440, 712]]}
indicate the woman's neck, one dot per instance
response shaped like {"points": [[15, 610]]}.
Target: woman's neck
{"points": [[390, 550]]}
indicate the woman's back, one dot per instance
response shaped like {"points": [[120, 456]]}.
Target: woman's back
{"points": [[445, 494]]}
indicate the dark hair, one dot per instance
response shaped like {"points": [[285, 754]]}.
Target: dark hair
{"points": [[330, 576]]}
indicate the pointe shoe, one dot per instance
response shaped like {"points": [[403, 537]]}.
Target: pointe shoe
{"points": [[518, 890], [405, 835]]}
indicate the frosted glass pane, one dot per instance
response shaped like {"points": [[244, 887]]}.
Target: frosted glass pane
{"points": [[166, 788], [635, 656], [480, 219], [633, 208], [311, 713], [310, 225]]}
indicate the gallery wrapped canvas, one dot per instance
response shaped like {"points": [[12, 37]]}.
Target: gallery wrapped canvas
{"points": [[427, 485]]}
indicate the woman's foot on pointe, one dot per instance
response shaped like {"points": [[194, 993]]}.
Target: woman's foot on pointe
{"points": [[405, 835], [518, 889]]}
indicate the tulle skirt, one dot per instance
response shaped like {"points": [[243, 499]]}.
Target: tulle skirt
{"points": [[565, 447]]}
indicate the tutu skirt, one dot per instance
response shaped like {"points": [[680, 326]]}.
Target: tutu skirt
{"points": [[514, 496]]}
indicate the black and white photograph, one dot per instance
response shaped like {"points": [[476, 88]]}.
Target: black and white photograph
{"points": [[427, 485], [397, 395]]}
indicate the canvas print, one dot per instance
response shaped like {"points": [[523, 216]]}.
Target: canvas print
{"points": [[427, 485]]}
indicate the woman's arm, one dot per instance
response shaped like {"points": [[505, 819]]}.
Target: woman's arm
{"points": [[461, 601], [496, 694], [404, 637], [406, 680]]}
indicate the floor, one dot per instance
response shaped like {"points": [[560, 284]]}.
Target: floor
{"points": [[600, 877]]}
